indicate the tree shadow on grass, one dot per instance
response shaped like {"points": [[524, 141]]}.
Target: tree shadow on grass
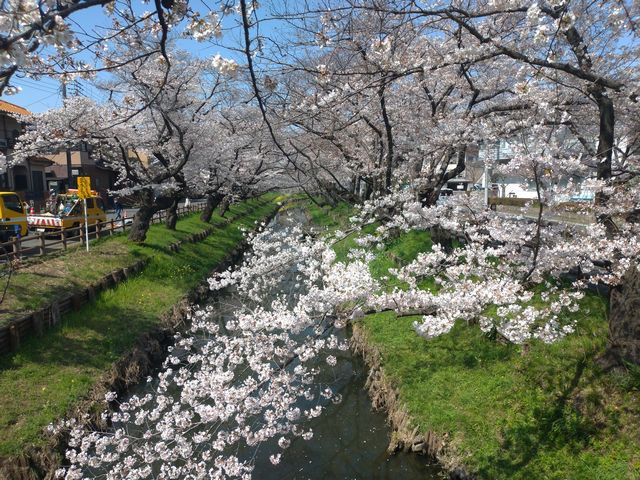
{"points": [[465, 347], [552, 427], [82, 344]]}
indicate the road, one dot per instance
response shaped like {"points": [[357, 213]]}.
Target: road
{"points": [[568, 218]]}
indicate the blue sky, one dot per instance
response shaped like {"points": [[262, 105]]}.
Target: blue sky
{"points": [[45, 93]]}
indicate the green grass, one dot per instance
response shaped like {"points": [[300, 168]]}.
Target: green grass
{"points": [[41, 382], [42, 281], [507, 411]]}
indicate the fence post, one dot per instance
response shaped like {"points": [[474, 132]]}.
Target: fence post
{"points": [[16, 247], [37, 322], [111, 231], [63, 235], [14, 337], [42, 242]]}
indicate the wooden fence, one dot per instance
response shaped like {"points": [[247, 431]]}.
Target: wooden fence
{"points": [[42, 243], [48, 316]]}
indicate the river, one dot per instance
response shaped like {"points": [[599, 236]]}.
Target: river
{"points": [[349, 441]]}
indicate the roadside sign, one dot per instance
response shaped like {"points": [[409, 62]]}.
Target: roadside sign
{"points": [[84, 192], [84, 187]]}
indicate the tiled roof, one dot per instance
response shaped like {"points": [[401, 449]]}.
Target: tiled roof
{"points": [[11, 108]]}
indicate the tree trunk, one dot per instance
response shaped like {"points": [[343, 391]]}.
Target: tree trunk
{"points": [[388, 158], [213, 200], [366, 191], [224, 205], [142, 218], [624, 323], [172, 215], [605, 151], [429, 197], [606, 136]]}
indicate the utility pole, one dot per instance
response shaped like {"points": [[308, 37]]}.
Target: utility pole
{"points": [[69, 169], [486, 183]]}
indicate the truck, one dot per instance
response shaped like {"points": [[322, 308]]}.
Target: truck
{"points": [[13, 217], [69, 213]]}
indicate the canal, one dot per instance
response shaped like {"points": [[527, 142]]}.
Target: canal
{"points": [[349, 439]]}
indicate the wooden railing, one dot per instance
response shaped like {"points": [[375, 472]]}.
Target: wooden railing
{"points": [[61, 239]]}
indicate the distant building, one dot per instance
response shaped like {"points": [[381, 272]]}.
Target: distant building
{"points": [[35, 178], [27, 179], [83, 164], [516, 186]]}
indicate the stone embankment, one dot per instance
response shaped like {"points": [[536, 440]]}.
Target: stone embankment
{"points": [[384, 396]]}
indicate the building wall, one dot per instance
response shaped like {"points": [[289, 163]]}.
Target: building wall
{"points": [[9, 130], [101, 179], [78, 158], [28, 180], [82, 165]]}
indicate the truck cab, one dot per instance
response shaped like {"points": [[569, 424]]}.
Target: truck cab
{"points": [[13, 216]]}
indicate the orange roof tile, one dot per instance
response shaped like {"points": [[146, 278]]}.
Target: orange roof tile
{"points": [[11, 108]]}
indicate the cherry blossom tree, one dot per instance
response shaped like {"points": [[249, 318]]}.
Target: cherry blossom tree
{"points": [[145, 134], [377, 103]]}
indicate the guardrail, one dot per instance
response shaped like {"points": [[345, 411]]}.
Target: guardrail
{"points": [[61, 239]]}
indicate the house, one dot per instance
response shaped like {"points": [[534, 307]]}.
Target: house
{"points": [[515, 186], [28, 179], [83, 163], [38, 175]]}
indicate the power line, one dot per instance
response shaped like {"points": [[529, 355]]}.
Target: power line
{"points": [[42, 99], [37, 83], [41, 88]]}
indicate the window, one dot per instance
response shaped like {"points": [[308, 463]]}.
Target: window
{"points": [[12, 202], [20, 182], [90, 203], [100, 203], [77, 210]]}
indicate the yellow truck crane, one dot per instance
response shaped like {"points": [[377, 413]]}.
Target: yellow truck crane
{"points": [[13, 217], [69, 213]]}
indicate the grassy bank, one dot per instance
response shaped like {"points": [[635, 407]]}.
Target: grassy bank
{"points": [[44, 280], [507, 411], [48, 374]]}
